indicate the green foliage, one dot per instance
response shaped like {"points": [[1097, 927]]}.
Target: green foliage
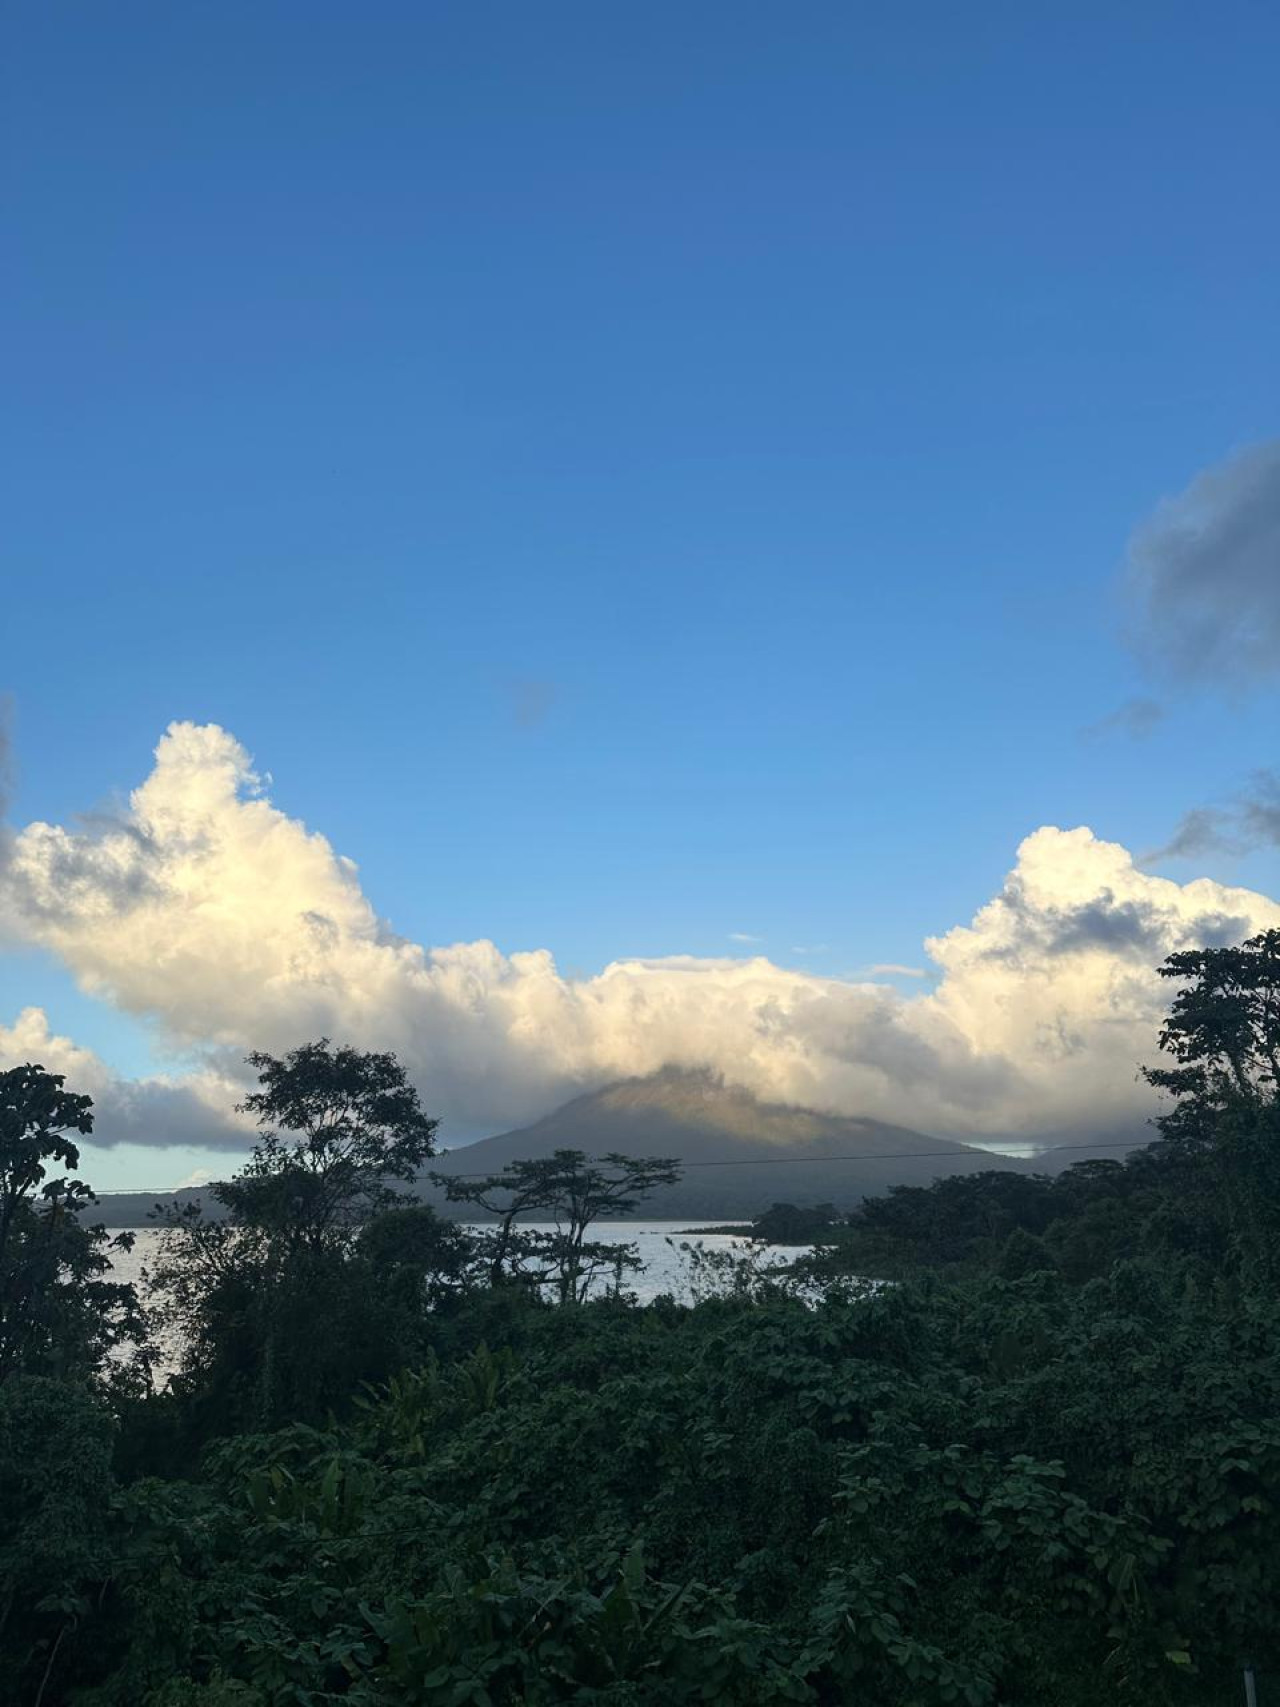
{"points": [[56, 1487], [995, 1491], [59, 1314], [414, 1240]]}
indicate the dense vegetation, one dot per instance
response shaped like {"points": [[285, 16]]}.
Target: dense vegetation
{"points": [[402, 1464]]}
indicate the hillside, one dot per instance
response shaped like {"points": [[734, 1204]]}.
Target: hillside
{"points": [[775, 1153]]}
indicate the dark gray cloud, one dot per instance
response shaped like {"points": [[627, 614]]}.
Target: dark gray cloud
{"points": [[1138, 930], [1136, 718], [1260, 811], [1132, 927], [157, 1114], [1203, 830], [1204, 575], [1250, 820], [1220, 930], [1117, 926]]}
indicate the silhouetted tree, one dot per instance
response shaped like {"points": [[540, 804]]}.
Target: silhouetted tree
{"points": [[413, 1241], [789, 1224], [273, 1315], [1223, 1030], [1222, 1134], [574, 1192], [58, 1311], [339, 1125]]}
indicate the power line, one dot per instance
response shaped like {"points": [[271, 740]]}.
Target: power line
{"points": [[882, 1156], [759, 1162]]}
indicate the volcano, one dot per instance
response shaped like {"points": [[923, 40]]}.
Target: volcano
{"points": [[740, 1154]]}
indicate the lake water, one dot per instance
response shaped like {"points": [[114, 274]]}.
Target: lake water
{"points": [[666, 1268]]}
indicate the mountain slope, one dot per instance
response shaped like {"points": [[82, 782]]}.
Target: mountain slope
{"points": [[775, 1153]]}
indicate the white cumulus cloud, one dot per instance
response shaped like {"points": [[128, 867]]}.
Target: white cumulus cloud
{"points": [[208, 911]]}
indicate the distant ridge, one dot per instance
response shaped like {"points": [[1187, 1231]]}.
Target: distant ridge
{"points": [[700, 1120], [136, 1208]]}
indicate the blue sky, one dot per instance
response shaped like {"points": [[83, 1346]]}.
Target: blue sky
{"points": [[631, 476]]}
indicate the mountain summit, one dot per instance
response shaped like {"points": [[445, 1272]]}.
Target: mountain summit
{"points": [[741, 1154]]}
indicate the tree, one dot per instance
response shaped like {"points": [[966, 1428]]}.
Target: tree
{"points": [[413, 1247], [354, 1124], [274, 1317], [787, 1224], [56, 1496], [1221, 1138], [58, 1312], [1223, 1030], [574, 1192]]}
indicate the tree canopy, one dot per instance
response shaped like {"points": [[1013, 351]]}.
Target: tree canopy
{"points": [[1223, 1031], [338, 1127], [573, 1191], [59, 1311]]}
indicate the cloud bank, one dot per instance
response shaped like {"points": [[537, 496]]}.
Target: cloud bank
{"points": [[197, 1109], [210, 913]]}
